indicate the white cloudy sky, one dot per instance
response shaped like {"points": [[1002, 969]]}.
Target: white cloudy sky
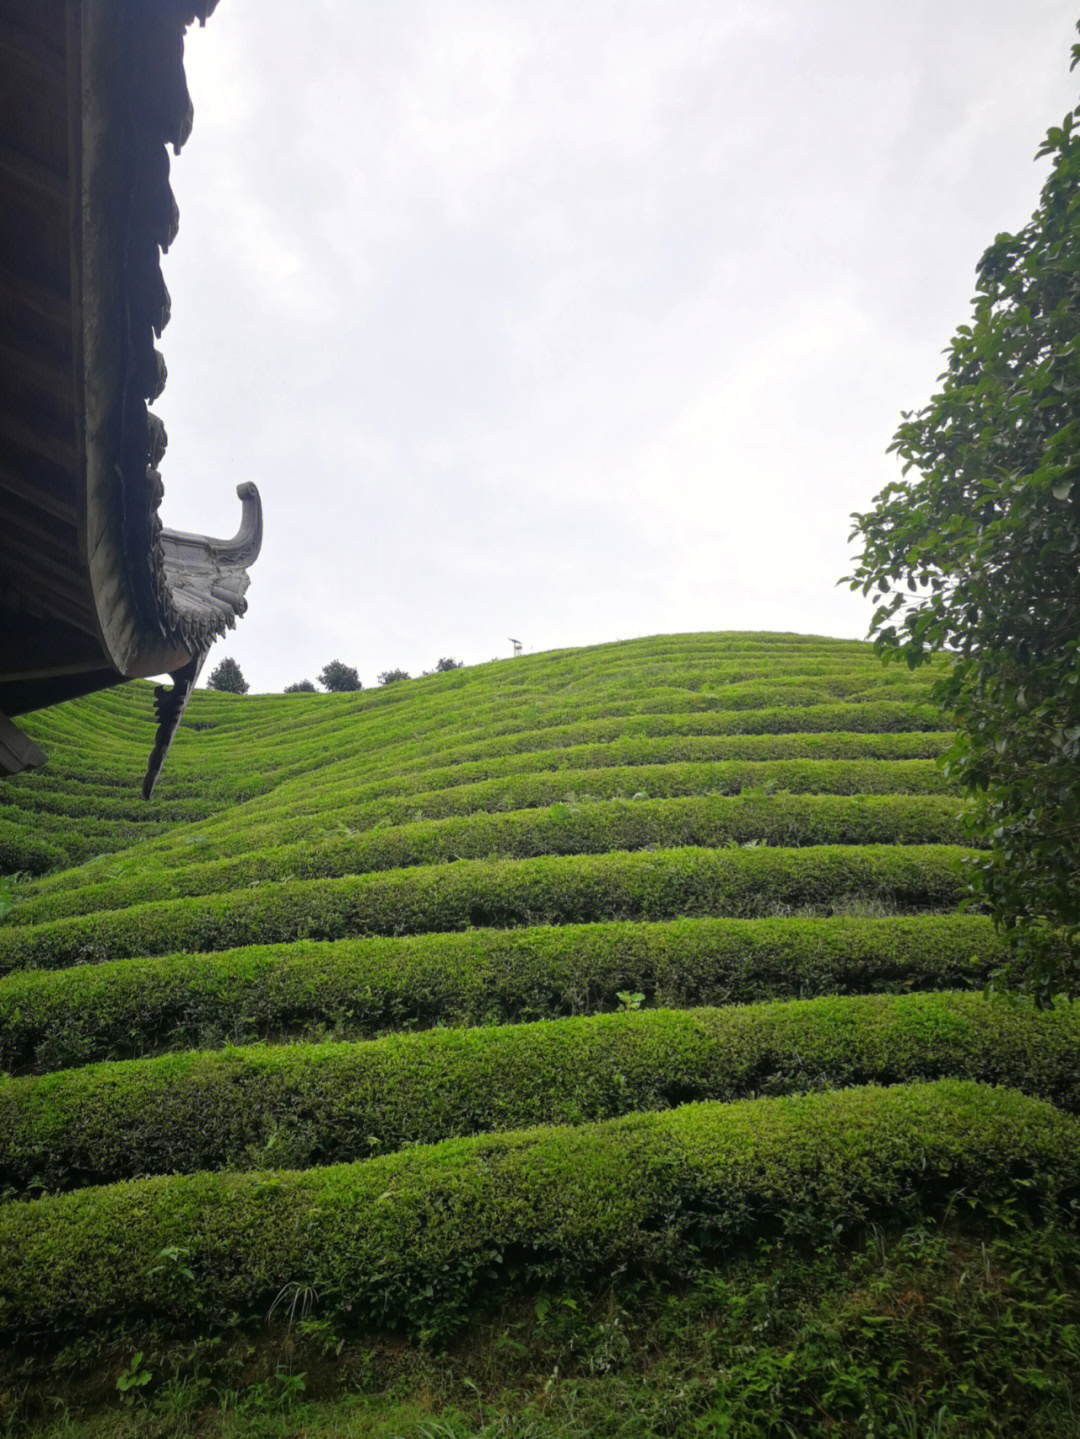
{"points": [[575, 321]]}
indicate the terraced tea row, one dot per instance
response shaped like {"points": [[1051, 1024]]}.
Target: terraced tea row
{"points": [[358, 988], [414, 1236], [36, 831], [563, 829], [660, 884], [429, 998], [293, 812], [298, 819], [305, 1104]]}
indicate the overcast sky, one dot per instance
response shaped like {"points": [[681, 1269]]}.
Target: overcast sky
{"points": [[575, 321]]}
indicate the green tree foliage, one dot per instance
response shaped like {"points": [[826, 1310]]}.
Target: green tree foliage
{"points": [[446, 664], [978, 557], [301, 687], [228, 677], [339, 678], [388, 677]]}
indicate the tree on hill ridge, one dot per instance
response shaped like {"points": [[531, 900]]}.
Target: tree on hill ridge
{"points": [[227, 676], [339, 678]]}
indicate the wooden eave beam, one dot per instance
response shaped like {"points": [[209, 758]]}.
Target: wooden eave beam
{"points": [[60, 593], [23, 696], [36, 298], [40, 647], [31, 52], [17, 430], [44, 529], [51, 374], [38, 492], [34, 176], [27, 576], [53, 549]]}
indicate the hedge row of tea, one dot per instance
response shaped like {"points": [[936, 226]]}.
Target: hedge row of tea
{"points": [[305, 1104], [647, 946], [360, 988], [575, 889], [414, 1235]]}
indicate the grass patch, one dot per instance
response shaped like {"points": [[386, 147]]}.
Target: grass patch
{"points": [[946, 1329]]}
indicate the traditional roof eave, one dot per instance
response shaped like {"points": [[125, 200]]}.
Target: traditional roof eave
{"points": [[93, 590], [161, 598]]}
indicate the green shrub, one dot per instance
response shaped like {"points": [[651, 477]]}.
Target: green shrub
{"points": [[659, 884], [562, 829], [411, 1238], [315, 1104], [356, 988], [22, 850]]}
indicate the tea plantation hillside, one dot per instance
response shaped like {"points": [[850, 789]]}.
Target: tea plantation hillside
{"points": [[589, 1043]]}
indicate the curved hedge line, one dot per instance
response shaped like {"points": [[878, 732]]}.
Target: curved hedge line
{"points": [[660, 884], [51, 1019], [296, 808], [431, 760], [293, 819], [411, 1238], [306, 1104], [596, 744], [23, 849], [37, 841], [692, 738], [790, 821], [118, 806], [296, 791], [877, 717], [411, 769]]}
